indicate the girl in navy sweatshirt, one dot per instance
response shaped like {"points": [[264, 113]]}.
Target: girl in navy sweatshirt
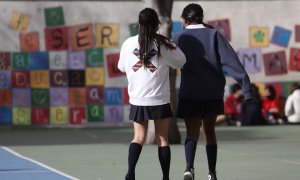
{"points": [[146, 59], [201, 90]]}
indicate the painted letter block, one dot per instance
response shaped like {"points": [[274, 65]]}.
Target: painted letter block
{"points": [[82, 37], [57, 39], [29, 42], [20, 60], [40, 97], [107, 35], [39, 79], [40, 116], [59, 115], [58, 60], [21, 116], [58, 78], [77, 115], [95, 113], [95, 76], [21, 97]]}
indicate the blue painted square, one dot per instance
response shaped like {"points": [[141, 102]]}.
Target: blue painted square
{"points": [[5, 79], [5, 115], [113, 96], [176, 27], [39, 60], [281, 36]]}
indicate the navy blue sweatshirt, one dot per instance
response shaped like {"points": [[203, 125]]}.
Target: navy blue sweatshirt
{"points": [[208, 54]]}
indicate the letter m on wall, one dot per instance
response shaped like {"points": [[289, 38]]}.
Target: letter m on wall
{"points": [[250, 59]]}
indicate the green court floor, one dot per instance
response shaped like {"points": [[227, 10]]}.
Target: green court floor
{"points": [[245, 153]]}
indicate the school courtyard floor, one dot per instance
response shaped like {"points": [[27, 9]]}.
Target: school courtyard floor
{"points": [[245, 153]]}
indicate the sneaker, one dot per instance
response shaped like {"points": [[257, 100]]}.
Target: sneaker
{"points": [[189, 175], [212, 176]]}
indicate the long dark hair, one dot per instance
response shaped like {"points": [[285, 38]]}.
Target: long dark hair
{"points": [[272, 92], [193, 13], [149, 23]]}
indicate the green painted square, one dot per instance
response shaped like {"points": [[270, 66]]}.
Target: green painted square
{"points": [[95, 113], [20, 60], [94, 57], [287, 88], [54, 16], [21, 116], [134, 29], [40, 97]]}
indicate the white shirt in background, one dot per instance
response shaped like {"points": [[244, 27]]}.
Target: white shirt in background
{"points": [[292, 107]]}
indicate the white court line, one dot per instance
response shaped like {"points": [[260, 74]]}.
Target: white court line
{"points": [[291, 162], [38, 163]]}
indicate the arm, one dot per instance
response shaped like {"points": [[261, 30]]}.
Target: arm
{"points": [[174, 58], [288, 109], [231, 64], [121, 63]]}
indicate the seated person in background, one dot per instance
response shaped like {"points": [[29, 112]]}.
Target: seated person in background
{"points": [[233, 105], [292, 106], [270, 107], [251, 113]]}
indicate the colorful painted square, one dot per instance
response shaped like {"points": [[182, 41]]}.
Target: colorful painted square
{"points": [[223, 26], [112, 65], [113, 96], [5, 115], [40, 115], [39, 79], [134, 29], [278, 88], [21, 97], [95, 95], [114, 114], [107, 35], [251, 59], [20, 60], [58, 78], [94, 57], [21, 116], [39, 60], [76, 78], [95, 76], [76, 60], [281, 36], [54, 16], [5, 97], [59, 97], [95, 113], [176, 28], [77, 115], [294, 59], [77, 96], [57, 39], [259, 36], [40, 97], [5, 79], [126, 113], [20, 79], [125, 96], [275, 63], [58, 60], [82, 37], [19, 21], [261, 88], [297, 33], [59, 115], [29, 42], [287, 88], [5, 61]]}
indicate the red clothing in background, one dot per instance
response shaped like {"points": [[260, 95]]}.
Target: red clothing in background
{"points": [[232, 106], [269, 104]]}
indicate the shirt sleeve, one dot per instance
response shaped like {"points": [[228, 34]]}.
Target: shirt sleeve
{"points": [[174, 58], [121, 63], [231, 64], [288, 109]]}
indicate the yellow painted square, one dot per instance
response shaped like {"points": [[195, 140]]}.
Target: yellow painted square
{"points": [[94, 76], [39, 79], [19, 21], [107, 35], [59, 115], [21, 116], [259, 36], [261, 88]]}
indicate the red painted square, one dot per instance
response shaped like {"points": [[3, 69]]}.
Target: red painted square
{"points": [[57, 38], [21, 79], [77, 115], [5, 61], [112, 65], [40, 116], [5, 97]]}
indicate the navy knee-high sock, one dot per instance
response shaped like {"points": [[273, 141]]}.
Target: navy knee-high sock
{"points": [[164, 155], [211, 152], [190, 146], [133, 157]]}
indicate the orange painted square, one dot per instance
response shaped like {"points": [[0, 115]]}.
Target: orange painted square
{"points": [[29, 41], [5, 97], [82, 37], [77, 96]]}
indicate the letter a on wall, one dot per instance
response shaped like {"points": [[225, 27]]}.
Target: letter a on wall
{"points": [[107, 35], [275, 63]]}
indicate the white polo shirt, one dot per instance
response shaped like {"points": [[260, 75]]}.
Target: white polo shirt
{"points": [[148, 86]]}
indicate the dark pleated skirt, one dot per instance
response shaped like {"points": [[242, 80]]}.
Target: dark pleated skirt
{"points": [[145, 113], [199, 108]]}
